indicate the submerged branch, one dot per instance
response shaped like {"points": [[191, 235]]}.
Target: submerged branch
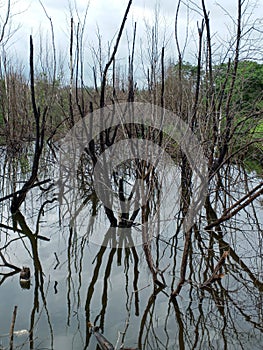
{"points": [[228, 214], [215, 276]]}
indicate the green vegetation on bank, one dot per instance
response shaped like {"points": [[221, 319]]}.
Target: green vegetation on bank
{"points": [[241, 102]]}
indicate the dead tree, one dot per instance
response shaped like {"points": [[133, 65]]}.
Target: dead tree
{"points": [[40, 119]]}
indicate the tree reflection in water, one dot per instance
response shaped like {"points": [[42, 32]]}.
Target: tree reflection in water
{"points": [[177, 311], [131, 291]]}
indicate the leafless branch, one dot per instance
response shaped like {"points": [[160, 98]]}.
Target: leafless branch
{"points": [[7, 17], [108, 64]]}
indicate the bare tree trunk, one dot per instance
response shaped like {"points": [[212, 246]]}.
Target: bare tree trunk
{"points": [[19, 197], [12, 327], [230, 116], [108, 64], [71, 114], [130, 77]]}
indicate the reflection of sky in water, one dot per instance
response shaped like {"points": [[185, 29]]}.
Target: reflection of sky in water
{"points": [[71, 337], [120, 282]]}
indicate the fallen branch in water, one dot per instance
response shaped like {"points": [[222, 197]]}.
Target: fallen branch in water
{"points": [[228, 214], [127, 323], [215, 275], [103, 343]]}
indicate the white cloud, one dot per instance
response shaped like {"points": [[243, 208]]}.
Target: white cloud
{"points": [[107, 16]]}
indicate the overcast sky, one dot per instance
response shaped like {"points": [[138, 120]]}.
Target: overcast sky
{"points": [[107, 16]]}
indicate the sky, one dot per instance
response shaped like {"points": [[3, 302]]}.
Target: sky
{"points": [[104, 18]]}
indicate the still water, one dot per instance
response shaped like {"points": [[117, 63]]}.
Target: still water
{"points": [[75, 280]]}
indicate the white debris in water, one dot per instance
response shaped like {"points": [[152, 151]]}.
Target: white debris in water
{"points": [[17, 333], [21, 332]]}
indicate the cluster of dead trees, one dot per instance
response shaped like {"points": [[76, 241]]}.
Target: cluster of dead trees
{"points": [[44, 109]]}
